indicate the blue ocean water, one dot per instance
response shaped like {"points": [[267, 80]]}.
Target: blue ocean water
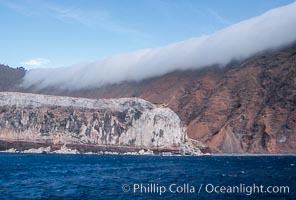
{"points": [[39, 176]]}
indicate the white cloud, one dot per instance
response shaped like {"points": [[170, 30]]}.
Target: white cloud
{"points": [[35, 63], [272, 29]]}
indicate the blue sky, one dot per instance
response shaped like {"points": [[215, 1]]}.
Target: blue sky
{"points": [[53, 33]]}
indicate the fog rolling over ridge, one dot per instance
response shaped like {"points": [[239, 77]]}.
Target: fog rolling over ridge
{"points": [[272, 29]]}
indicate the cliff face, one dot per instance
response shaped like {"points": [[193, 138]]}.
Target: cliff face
{"points": [[245, 107], [118, 122]]}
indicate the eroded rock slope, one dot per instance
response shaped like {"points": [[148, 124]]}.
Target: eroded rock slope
{"points": [[118, 122], [247, 106]]}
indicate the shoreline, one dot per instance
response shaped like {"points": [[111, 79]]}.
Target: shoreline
{"points": [[151, 154], [30, 147], [18, 146]]}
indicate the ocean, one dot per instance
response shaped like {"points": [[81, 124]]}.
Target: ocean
{"points": [[43, 176]]}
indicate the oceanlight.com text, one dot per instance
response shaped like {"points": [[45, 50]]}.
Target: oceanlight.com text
{"points": [[155, 188]]}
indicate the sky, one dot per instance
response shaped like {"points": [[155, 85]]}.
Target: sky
{"points": [[54, 33], [272, 29]]}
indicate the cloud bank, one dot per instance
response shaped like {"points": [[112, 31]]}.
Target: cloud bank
{"points": [[272, 29], [35, 63]]}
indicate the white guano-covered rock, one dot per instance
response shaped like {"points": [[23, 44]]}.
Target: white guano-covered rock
{"points": [[118, 122]]}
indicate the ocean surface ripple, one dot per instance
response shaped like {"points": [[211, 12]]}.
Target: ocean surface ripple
{"points": [[33, 176]]}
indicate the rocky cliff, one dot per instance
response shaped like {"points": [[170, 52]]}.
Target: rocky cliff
{"points": [[127, 122], [247, 106]]}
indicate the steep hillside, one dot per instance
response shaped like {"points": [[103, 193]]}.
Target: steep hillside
{"points": [[246, 106], [10, 77]]}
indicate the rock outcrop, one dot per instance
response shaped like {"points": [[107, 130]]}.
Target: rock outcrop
{"points": [[247, 106], [126, 122]]}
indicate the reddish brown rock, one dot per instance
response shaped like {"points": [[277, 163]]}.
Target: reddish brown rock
{"points": [[245, 107]]}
